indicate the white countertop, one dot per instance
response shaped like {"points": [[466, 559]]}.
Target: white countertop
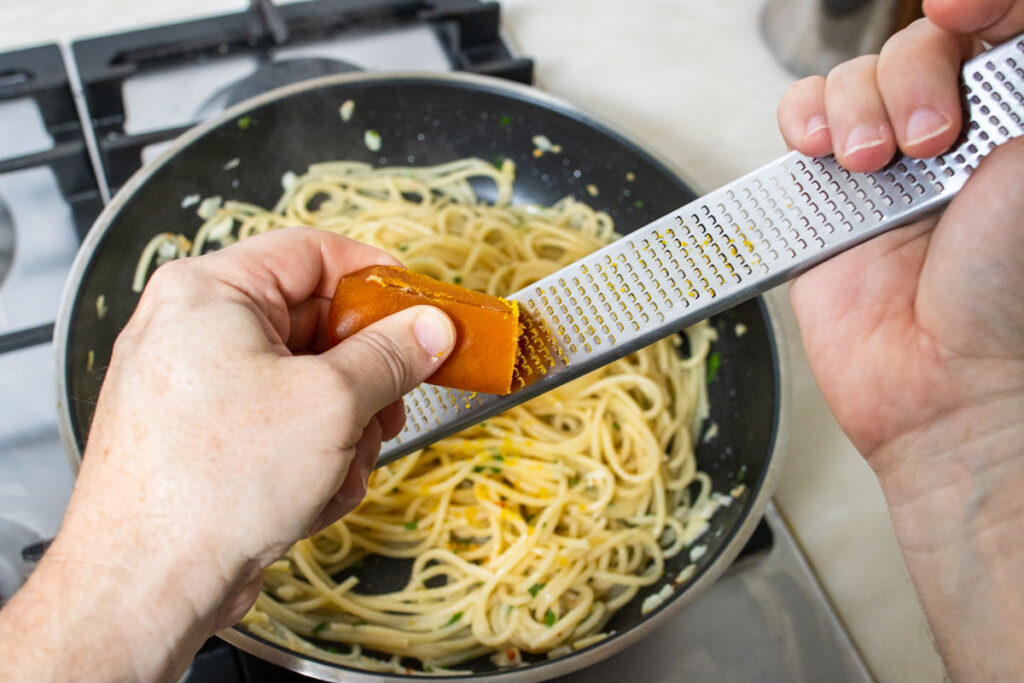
{"points": [[694, 80]]}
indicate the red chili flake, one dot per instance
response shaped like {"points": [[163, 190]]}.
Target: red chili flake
{"points": [[510, 653]]}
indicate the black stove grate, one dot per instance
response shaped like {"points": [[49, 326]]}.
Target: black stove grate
{"points": [[467, 30], [39, 73]]}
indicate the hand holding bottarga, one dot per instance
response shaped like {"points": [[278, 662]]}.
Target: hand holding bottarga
{"points": [[917, 336], [487, 328], [208, 459]]}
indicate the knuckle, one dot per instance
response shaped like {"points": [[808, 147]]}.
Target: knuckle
{"points": [[852, 72], [173, 280], [894, 55], [809, 86]]}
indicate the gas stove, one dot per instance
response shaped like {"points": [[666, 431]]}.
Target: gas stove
{"points": [[77, 120]]}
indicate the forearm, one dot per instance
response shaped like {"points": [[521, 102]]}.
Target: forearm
{"points": [[116, 597], [81, 618], [954, 489]]}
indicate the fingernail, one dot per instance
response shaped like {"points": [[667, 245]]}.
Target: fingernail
{"points": [[924, 124], [863, 137], [815, 124], [434, 332]]}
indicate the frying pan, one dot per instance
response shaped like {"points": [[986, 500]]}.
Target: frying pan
{"points": [[429, 119]]}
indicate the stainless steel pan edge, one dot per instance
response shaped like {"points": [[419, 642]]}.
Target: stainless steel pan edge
{"points": [[540, 671]]}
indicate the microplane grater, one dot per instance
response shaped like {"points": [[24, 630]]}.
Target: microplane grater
{"points": [[720, 250]]}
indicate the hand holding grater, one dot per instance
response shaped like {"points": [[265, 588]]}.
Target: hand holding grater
{"points": [[724, 248]]}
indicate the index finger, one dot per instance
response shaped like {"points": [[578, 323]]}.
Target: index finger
{"points": [[297, 262], [282, 270]]}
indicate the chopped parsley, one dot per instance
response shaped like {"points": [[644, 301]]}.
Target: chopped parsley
{"points": [[714, 360], [455, 617], [505, 121], [498, 456], [536, 588], [244, 122], [458, 280], [333, 650], [574, 480], [549, 619], [496, 470], [403, 247], [478, 469], [319, 627], [638, 204], [429, 669], [498, 161], [412, 524], [616, 425], [741, 473]]}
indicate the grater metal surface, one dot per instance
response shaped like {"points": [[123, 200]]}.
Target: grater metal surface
{"points": [[721, 249]]}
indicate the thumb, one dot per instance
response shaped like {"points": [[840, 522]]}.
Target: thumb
{"points": [[385, 360]]}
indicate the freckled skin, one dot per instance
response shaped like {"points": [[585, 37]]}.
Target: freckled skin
{"points": [[218, 441]]}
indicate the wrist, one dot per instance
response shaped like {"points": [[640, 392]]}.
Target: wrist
{"points": [[953, 489], [973, 455]]}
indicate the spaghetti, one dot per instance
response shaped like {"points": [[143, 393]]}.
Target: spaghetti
{"points": [[526, 532]]}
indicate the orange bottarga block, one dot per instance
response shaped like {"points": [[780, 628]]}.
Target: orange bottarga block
{"points": [[486, 328]]}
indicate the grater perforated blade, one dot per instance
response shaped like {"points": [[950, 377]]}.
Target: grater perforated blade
{"points": [[717, 251]]}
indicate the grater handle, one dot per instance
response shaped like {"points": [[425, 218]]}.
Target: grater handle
{"points": [[722, 249]]}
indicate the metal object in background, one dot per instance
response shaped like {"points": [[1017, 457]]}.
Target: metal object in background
{"points": [[14, 566], [812, 36], [6, 241], [724, 248]]}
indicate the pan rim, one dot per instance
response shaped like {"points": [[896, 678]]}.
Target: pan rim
{"points": [[308, 665]]}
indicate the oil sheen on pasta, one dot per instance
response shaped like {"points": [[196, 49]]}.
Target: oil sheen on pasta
{"points": [[527, 531]]}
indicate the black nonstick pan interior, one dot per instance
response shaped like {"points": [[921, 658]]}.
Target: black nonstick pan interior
{"points": [[423, 121]]}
